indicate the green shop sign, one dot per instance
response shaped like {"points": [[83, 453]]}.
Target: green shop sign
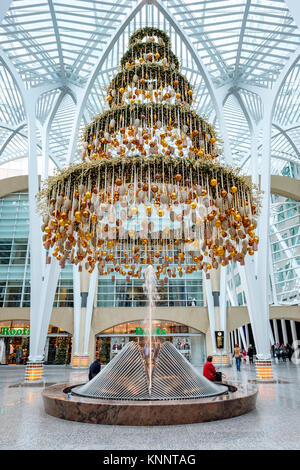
{"points": [[157, 331], [7, 331]]}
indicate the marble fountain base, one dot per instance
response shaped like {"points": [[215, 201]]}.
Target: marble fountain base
{"points": [[240, 399]]}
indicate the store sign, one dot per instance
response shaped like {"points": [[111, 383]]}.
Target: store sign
{"points": [[219, 339], [157, 331], [7, 331]]}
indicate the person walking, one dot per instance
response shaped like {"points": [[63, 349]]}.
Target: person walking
{"points": [[237, 355], [277, 351], [250, 353], [283, 352], [290, 351], [273, 350], [244, 352]]}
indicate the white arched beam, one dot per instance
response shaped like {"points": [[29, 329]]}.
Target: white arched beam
{"points": [[40, 304], [288, 138], [47, 127], [4, 7], [14, 132], [259, 284], [58, 42]]}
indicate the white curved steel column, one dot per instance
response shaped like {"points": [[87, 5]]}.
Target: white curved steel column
{"points": [[211, 312], [77, 309], [48, 290], [223, 307], [89, 310], [34, 237]]}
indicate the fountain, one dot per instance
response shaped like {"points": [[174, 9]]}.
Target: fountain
{"points": [[152, 294], [139, 387], [139, 374]]}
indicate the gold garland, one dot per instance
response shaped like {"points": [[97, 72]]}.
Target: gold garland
{"points": [[138, 49], [89, 170], [123, 115], [149, 31], [166, 76]]}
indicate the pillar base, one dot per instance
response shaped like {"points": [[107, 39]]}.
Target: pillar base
{"points": [[264, 371], [34, 373], [80, 362], [222, 360]]}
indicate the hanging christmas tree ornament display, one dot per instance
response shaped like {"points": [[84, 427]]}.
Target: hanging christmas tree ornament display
{"points": [[150, 189]]}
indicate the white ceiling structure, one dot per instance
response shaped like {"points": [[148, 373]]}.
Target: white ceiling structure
{"points": [[61, 56]]}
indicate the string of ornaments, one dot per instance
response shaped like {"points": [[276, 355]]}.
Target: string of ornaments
{"points": [[149, 189]]}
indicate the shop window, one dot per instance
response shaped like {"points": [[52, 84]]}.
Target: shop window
{"points": [[189, 342], [16, 345]]}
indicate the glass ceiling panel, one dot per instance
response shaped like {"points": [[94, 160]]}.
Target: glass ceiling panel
{"points": [[249, 41], [58, 40]]}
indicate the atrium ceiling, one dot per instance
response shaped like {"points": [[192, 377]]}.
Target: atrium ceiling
{"points": [[63, 51], [58, 57]]}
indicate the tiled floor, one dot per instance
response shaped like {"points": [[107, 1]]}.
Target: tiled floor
{"points": [[275, 424]]}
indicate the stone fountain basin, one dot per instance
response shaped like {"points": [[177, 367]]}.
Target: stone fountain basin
{"points": [[240, 399]]}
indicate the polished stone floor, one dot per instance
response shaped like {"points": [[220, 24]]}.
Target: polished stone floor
{"points": [[275, 424]]}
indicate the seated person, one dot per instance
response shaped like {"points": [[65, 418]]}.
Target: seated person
{"points": [[209, 369], [95, 368]]}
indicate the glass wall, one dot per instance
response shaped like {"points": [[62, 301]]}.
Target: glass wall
{"points": [[14, 250], [15, 256], [182, 292], [285, 248]]}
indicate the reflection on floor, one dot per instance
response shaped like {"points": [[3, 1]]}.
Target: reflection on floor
{"points": [[273, 425]]}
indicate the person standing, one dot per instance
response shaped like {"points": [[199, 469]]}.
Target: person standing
{"points": [[237, 356], [250, 353]]}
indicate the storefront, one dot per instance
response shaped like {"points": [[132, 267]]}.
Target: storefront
{"points": [[14, 344], [189, 342]]}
